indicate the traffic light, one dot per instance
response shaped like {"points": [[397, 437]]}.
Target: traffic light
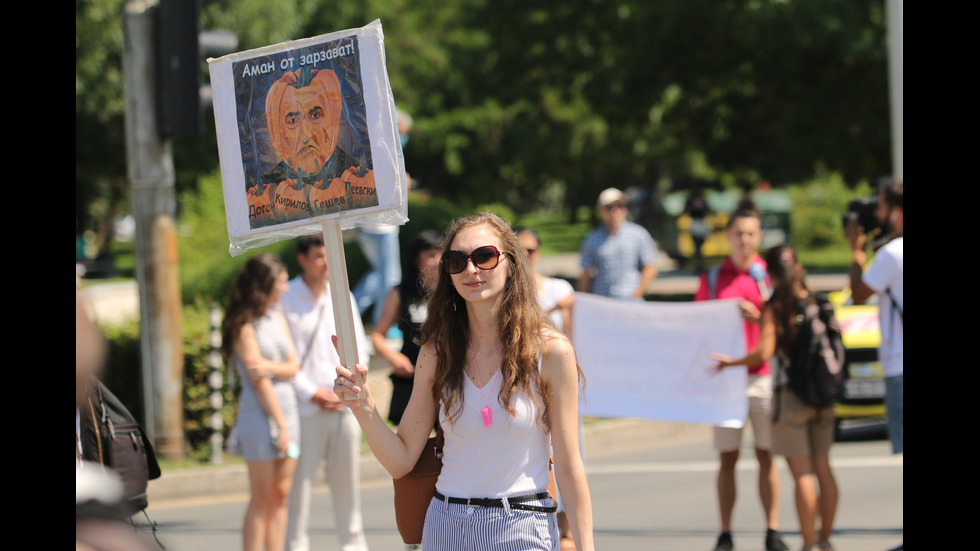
{"points": [[182, 48]]}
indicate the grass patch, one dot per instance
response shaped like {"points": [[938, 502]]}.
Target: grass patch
{"points": [[125, 258], [826, 259], [557, 235]]}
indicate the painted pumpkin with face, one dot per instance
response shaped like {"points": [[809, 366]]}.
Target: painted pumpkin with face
{"points": [[328, 196], [361, 187], [303, 112], [291, 202], [260, 200]]}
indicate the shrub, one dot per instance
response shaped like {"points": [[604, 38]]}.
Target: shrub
{"points": [[198, 356], [817, 209], [121, 372]]}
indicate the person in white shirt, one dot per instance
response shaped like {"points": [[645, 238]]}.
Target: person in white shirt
{"points": [[886, 278], [555, 295], [328, 431]]}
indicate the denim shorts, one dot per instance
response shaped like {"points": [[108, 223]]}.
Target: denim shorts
{"points": [[458, 527], [894, 394]]}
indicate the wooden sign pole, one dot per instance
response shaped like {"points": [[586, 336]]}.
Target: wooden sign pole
{"points": [[343, 313]]}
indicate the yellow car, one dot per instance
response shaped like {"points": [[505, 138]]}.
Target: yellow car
{"points": [[863, 394]]}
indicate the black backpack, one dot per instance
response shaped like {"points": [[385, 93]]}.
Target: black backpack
{"points": [[815, 372], [112, 438]]}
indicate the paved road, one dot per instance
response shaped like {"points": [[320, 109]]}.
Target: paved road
{"points": [[651, 496]]}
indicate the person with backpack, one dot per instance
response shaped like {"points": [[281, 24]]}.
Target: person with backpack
{"points": [[742, 276], [114, 460], [801, 335]]}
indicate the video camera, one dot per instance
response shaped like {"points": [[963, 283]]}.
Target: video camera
{"points": [[863, 210]]}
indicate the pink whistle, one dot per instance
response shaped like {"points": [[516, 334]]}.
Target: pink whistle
{"points": [[487, 416]]}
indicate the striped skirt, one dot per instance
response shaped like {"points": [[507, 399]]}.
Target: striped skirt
{"points": [[457, 527]]}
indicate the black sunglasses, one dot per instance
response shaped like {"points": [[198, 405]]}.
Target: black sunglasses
{"points": [[485, 258]]}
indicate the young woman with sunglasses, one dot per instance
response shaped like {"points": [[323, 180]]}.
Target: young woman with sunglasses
{"points": [[503, 385]]}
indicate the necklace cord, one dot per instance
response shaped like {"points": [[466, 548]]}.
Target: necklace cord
{"points": [[486, 412]]}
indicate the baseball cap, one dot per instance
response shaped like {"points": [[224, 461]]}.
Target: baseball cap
{"points": [[610, 195]]}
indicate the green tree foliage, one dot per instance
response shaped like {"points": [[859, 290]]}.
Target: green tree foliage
{"points": [[100, 162], [592, 93], [818, 207], [515, 99]]}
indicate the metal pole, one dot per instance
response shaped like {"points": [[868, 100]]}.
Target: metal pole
{"points": [[896, 82], [216, 382], [151, 177]]}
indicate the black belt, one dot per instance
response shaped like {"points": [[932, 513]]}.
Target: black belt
{"points": [[514, 502]]}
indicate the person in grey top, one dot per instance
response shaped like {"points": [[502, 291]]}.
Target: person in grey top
{"points": [[256, 340]]}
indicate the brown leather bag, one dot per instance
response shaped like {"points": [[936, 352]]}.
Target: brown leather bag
{"points": [[414, 491]]}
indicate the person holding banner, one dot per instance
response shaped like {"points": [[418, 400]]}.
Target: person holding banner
{"points": [[255, 336], [742, 276], [504, 387], [802, 433]]}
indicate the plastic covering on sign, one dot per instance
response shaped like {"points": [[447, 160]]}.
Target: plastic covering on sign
{"points": [[307, 133]]}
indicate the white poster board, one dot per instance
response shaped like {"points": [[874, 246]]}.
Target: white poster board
{"points": [[652, 360], [307, 134]]}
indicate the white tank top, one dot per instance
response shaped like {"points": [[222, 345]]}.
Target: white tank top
{"points": [[509, 458]]}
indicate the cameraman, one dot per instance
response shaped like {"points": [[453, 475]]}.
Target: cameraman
{"points": [[885, 277]]}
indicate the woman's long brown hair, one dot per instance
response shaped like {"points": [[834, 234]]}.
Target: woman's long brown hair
{"points": [[520, 327], [788, 278], [249, 297]]}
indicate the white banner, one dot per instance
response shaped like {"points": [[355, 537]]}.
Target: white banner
{"points": [[652, 360]]}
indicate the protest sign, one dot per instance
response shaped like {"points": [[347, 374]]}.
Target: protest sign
{"points": [[307, 134], [308, 142], [651, 360]]}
